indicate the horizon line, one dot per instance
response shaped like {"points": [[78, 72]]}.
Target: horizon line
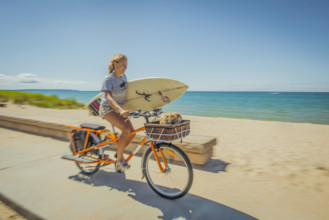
{"points": [[272, 91]]}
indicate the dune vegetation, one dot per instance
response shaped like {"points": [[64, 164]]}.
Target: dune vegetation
{"points": [[39, 100]]}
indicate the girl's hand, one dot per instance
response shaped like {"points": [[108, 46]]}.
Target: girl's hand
{"points": [[124, 113]]}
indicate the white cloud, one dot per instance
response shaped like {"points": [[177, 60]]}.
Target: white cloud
{"points": [[28, 78], [33, 81], [20, 78]]}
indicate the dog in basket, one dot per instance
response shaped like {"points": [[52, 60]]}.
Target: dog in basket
{"points": [[171, 118]]}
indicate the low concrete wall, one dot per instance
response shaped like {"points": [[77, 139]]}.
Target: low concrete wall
{"points": [[198, 148], [34, 126]]}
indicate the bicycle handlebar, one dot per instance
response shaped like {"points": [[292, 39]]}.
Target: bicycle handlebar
{"points": [[146, 114]]}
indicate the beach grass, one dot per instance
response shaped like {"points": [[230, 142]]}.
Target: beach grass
{"points": [[39, 100]]}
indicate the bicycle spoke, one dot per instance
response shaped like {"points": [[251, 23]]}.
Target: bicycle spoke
{"points": [[177, 178]]}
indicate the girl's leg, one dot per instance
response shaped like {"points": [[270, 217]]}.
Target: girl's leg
{"points": [[126, 128]]}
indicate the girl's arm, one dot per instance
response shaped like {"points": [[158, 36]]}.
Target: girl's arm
{"points": [[115, 105]]}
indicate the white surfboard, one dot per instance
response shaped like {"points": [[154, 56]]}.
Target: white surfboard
{"points": [[145, 94]]}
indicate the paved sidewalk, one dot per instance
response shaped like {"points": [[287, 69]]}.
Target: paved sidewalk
{"points": [[33, 177]]}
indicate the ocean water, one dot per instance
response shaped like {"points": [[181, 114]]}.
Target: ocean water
{"points": [[304, 107]]}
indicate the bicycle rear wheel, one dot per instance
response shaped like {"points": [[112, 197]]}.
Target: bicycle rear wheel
{"points": [[92, 155], [177, 178]]}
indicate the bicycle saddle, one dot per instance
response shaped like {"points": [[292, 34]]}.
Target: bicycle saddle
{"points": [[92, 126]]}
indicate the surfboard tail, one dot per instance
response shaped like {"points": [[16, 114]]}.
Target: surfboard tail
{"points": [[93, 107]]}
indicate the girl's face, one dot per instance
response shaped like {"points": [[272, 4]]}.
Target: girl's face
{"points": [[120, 67]]}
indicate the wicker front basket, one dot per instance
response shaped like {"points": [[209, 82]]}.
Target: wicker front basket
{"points": [[167, 132]]}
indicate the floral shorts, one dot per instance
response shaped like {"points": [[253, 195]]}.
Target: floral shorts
{"points": [[105, 109]]}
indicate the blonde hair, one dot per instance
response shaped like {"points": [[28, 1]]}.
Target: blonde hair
{"points": [[116, 58]]}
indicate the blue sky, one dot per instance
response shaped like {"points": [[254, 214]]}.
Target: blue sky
{"points": [[238, 45]]}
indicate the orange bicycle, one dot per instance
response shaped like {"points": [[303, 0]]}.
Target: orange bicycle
{"points": [[165, 166]]}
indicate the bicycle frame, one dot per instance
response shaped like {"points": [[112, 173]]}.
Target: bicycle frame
{"points": [[112, 137]]}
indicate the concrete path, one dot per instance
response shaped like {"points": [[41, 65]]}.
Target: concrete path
{"points": [[34, 178]]}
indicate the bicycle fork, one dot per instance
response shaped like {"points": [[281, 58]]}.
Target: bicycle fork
{"points": [[156, 149]]}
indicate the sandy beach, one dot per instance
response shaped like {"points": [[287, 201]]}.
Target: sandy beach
{"points": [[276, 170]]}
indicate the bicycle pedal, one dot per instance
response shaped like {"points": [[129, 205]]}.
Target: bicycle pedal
{"points": [[122, 168]]}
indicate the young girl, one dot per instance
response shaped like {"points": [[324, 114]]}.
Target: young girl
{"points": [[114, 87]]}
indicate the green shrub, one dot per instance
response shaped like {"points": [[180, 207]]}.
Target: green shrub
{"points": [[39, 100]]}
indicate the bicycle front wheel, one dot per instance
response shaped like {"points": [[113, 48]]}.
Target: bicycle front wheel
{"points": [[177, 176]]}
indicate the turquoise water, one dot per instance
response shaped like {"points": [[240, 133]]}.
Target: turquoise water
{"points": [[306, 107], [274, 106]]}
